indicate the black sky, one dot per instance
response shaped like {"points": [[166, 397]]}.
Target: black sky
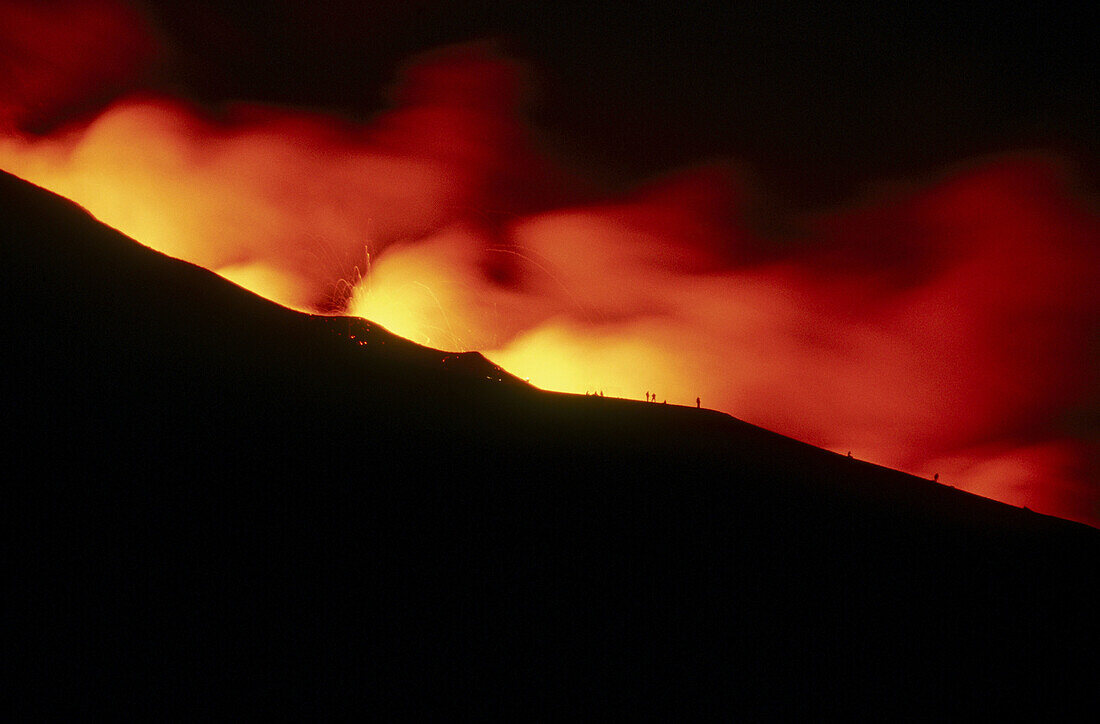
{"points": [[819, 100]]}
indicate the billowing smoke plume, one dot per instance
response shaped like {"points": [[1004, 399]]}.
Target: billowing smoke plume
{"points": [[60, 57], [946, 329]]}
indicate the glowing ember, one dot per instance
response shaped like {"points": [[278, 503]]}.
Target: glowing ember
{"points": [[945, 331]]}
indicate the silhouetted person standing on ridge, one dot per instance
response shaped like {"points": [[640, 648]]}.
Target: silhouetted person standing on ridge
{"points": [[697, 404]]}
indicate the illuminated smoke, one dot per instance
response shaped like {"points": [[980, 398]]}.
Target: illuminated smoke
{"points": [[58, 57], [947, 329]]}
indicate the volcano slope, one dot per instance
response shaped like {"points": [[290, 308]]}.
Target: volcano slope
{"points": [[221, 500]]}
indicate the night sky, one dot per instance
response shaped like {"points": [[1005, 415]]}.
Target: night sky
{"points": [[818, 101]]}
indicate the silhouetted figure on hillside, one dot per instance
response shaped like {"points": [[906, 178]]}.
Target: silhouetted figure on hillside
{"points": [[936, 478], [697, 403], [849, 453]]}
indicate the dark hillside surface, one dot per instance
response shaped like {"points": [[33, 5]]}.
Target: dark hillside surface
{"points": [[219, 502]]}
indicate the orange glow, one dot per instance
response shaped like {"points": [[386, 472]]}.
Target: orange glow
{"points": [[942, 331]]}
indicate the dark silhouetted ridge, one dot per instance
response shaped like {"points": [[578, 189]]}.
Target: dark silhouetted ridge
{"points": [[224, 506]]}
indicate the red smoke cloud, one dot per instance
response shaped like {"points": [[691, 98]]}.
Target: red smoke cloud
{"points": [[947, 329], [58, 57]]}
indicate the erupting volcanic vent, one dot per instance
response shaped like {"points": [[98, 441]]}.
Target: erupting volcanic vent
{"points": [[947, 329]]}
